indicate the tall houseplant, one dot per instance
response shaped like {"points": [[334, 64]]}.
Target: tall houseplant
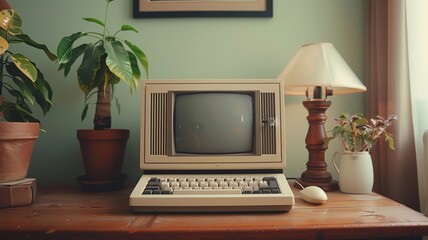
{"points": [[22, 85], [106, 60], [358, 136]]}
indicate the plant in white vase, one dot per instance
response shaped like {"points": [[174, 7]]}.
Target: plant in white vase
{"points": [[358, 136]]}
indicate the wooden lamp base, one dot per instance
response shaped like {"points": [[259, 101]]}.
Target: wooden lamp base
{"points": [[316, 173]]}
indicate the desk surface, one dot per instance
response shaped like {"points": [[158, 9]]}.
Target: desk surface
{"points": [[68, 213]]}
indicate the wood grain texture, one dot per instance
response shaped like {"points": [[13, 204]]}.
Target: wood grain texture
{"points": [[68, 213]]}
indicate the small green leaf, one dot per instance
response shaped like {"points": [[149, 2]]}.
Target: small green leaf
{"points": [[361, 121], [116, 100], [84, 112], [126, 27], [95, 20]]}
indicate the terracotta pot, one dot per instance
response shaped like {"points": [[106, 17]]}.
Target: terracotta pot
{"points": [[103, 152], [16, 147]]}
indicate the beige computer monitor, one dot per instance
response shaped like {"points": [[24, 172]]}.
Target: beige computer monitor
{"points": [[159, 134]]}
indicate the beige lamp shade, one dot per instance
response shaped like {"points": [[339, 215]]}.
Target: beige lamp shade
{"points": [[319, 64]]}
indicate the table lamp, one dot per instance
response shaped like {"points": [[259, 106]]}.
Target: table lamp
{"points": [[318, 71]]}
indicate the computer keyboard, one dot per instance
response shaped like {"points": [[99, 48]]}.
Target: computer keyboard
{"points": [[226, 192]]}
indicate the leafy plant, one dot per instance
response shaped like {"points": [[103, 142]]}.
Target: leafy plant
{"points": [[25, 83], [358, 134], [105, 62]]}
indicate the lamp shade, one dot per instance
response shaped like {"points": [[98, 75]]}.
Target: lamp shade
{"points": [[319, 64]]}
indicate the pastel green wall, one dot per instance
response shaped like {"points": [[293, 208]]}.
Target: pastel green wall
{"points": [[189, 48]]}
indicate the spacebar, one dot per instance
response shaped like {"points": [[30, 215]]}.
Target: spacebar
{"points": [[206, 191]]}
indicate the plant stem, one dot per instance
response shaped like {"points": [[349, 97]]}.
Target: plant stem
{"points": [[102, 118], [1, 74], [105, 22]]}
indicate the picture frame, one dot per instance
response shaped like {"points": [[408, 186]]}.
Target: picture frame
{"points": [[202, 8]]}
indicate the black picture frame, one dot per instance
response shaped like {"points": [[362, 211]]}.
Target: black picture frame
{"points": [[166, 9]]}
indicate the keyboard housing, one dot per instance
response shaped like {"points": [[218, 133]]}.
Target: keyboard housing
{"points": [[211, 202]]}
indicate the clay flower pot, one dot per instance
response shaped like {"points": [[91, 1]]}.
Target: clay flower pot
{"points": [[16, 147], [103, 153]]}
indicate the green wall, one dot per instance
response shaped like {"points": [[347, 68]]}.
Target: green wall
{"points": [[189, 48]]}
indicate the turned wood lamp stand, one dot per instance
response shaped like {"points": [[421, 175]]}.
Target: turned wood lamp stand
{"points": [[316, 173]]}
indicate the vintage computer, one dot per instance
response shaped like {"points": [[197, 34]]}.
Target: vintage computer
{"points": [[212, 145]]}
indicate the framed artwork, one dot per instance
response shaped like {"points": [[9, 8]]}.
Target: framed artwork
{"points": [[202, 8]]}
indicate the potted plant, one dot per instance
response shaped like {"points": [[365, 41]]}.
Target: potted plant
{"points": [[22, 85], [358, 136], [106, 60]]}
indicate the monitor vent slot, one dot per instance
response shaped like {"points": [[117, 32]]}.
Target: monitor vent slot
{"points": [[268, 123], [158, 124]]}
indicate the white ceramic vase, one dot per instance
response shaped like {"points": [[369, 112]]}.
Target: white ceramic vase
{"points": [[355, 171]]}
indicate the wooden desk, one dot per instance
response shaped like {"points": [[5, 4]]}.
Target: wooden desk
{"points": [[68, 213]]}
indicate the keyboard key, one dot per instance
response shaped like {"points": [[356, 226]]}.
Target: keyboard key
{"points": [[152, 188], [275, 190], [263, 184], [266, 191]]}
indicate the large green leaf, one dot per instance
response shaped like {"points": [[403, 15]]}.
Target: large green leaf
{"points": [[27, 92], [4, 45], [44, 94], [140, 55], [40, 89], [91, 64], [17, 112], [11, 21], [5, 17], [135, 69], [118, 62], [27, 40], [65, 46], [75, 54], [25, 66]]}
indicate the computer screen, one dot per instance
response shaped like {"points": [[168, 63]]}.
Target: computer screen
{"points": [[213, 123]]}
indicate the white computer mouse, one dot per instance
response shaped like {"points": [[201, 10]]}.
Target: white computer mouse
{"points": [[314, 194]]}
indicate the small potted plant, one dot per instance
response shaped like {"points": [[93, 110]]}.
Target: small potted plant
{"points": [[107, 59], [22, 85], [358, 136]]}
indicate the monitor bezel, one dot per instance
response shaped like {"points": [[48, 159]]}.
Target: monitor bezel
{"points": [[212, 162]]}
